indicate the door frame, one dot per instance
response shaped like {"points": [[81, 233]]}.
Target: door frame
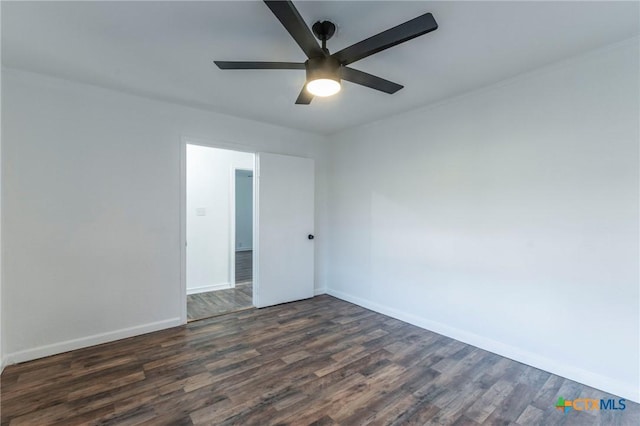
{"points": [[232, 221], [187, 140]]}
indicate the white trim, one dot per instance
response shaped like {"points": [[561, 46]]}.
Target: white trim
{"points": [[232, 223], [319, 291], [255, 267], [589, 378], [232, 226], [83, 342], [207, 288], [183, 231]]}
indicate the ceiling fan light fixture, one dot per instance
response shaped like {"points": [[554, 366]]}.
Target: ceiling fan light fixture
{"points": [[323, 87], [323, 76], [325, 71]]}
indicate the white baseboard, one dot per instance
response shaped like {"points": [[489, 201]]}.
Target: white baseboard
{"points": [[319, 291], [83, 342], [589, 378], [206, 288]]}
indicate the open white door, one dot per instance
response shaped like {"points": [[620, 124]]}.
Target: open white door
{"points": [[285, 201]]}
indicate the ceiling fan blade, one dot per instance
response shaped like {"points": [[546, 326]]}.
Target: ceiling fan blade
{"points": [[290, 18], [369, 80], [386, 39], [245, 65], [304, 98]]}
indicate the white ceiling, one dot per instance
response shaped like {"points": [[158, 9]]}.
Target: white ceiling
{"points": [[165, 50]]}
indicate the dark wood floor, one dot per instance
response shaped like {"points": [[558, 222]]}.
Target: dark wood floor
{"points": [[212, 303], [244, 266], [320, 361]]}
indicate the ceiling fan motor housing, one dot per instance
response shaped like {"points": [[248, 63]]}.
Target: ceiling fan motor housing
{"points": [[323, 67], [323, 30]]}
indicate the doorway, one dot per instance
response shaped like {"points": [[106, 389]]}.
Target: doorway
{"points": [[243, 215], [282, 264], [219, 231]]}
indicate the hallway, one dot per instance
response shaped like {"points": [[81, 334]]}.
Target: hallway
{"points": [[212, 303]]}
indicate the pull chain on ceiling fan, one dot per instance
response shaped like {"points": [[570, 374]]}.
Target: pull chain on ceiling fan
{"points": [[324, 70]]}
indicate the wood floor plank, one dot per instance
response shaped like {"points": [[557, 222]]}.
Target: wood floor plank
{"points": [[320, 361], [212, 303]]}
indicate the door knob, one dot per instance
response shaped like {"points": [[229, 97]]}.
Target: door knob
{"points": [[311, 237]]}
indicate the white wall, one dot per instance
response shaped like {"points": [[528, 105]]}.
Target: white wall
{"points": [[507, 218], [209, 236], [91, 208], [244, 210]]}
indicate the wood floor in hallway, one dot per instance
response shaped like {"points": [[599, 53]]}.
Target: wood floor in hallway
{"points": [[212, 303], [244, 266], [320, 361]]}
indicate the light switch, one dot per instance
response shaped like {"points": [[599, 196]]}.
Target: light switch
{"points": [[201, 211]]}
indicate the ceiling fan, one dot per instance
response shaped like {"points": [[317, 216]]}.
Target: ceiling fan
{"points": [[325, 70]]}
